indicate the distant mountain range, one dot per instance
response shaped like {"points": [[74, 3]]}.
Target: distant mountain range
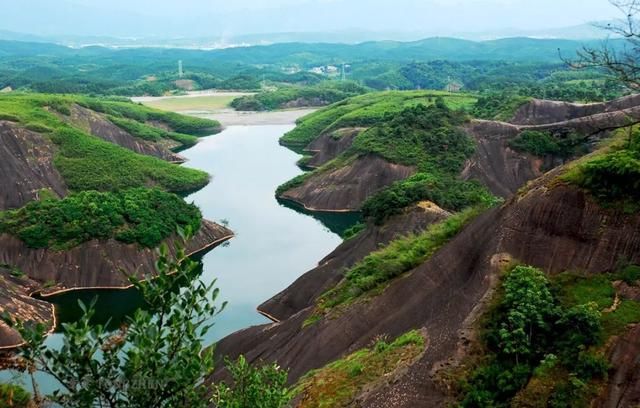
{"points": [[305, 54], [591, 31]]}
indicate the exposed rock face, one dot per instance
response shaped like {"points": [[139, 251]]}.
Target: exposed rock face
{"points": [[501, 169], [98, 125], [594, 124], [302, 293], [504, 170], [539, 111], [304, 103], [26, 166], [15, 300], [623, 389], [346, 188], [96, 264], [326, 147], [555, 229]]}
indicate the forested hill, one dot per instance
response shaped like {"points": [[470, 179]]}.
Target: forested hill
{"points": [[510, 49]]}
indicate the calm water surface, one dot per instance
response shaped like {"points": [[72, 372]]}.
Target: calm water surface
{"points": [[274, 243]]}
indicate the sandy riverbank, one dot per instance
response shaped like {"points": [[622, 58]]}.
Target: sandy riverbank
{"points": [[214, 105]]}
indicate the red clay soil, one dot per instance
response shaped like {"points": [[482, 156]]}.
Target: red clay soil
{"points": [[26, 166]]}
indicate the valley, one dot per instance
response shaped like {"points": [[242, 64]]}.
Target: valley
{"points": [[435, 223]]}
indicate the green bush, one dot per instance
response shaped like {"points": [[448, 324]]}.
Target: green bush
{"points": [[612, 177], [154, 134], [365, 111], [446, 191], [545, 144], [89, 163], [498, 106], [142, 216], [13, 396], [524, 331]]}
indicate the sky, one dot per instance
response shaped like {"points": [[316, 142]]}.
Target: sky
{"points": [[196, 18]]}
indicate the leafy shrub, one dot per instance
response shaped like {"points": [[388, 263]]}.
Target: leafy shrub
{"points": [[13, 396], [612, 177], [545, 144], [446, 191], [140, 216], [630, 274], [154, 134], [498, 106], [364, 111], [530, 332], [256, 387]]}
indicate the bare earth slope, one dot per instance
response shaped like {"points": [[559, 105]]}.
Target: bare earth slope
{"points": [[346, 188], [327, 147], [15, 298], [555, 229], [537, 112], [26, 166], [98, 125], [302, 293], [552, 225]]}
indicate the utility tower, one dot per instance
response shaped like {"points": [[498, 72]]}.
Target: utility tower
{"points": [[344, 73], [180, 72]]}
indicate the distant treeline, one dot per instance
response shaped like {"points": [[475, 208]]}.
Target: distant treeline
{"points": [[523, 66]]}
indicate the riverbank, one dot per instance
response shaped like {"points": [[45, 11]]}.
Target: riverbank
{"points": [[214, 105]]}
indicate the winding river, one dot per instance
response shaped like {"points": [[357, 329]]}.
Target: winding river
{"points": [[274, 243]]}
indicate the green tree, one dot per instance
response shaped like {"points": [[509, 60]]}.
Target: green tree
{"points": [[530, 307], [262, 387]]}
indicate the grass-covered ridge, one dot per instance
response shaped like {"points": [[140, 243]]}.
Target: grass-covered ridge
{"points": [[89, 163], [322, 94], [142, 216], [374, 273], [366, 110], [428, 137], [336, 384]]}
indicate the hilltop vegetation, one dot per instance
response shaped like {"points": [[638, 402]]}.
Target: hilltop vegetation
{"points": [[89, 163], [142, 216], [612, 175], [411, 128], [366, 110], [324, 93]]}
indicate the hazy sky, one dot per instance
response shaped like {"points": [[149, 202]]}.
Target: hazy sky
{"points": [[189, 18]]}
